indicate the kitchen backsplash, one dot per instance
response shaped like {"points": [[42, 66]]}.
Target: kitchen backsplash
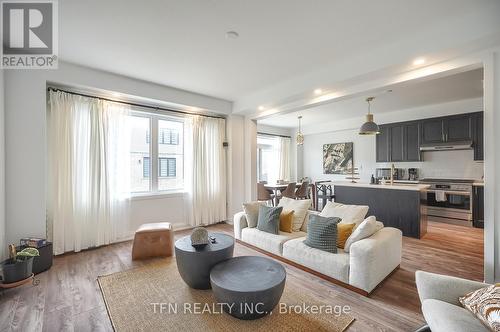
{"points": [[458, 164]]}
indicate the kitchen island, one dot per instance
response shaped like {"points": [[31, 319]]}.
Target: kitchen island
{"points": [[399, 205]]}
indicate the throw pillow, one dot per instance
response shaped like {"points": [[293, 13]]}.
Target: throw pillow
{"points": [[300, 206], [484, 303], [269, 219], [322, 233], [286, 221], [252, 212], [348, 213], [366, 229], [343, 233]]}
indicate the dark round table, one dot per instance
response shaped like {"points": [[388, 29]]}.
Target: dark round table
{"points": [[194, 264], [249, 287]]}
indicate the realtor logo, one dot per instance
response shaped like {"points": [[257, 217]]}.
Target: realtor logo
{"points": [[29, 34]]}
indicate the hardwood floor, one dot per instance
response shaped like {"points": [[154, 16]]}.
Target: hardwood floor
{"points": [[68, 297]]}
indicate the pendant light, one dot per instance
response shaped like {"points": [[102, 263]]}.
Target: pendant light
{"points": [[369, 127], [300, 136]]}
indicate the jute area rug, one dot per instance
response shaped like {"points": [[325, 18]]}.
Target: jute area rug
{"points": [[155, 298]]}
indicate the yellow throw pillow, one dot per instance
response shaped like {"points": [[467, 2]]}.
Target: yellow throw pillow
{"points": [[286, 221], [343, 233]]}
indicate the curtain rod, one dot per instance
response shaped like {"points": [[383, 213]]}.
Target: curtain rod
{"points": [[134, 104], [276, 135]]}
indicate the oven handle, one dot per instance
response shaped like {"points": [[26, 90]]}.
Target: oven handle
{"points": [[450, 192]]}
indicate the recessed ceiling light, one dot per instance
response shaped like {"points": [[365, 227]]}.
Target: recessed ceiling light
{"points": [[261, 108], [418, 61], [232, 35], [318, 91]]}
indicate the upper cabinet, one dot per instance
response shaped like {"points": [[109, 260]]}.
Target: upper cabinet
{"points": [[399, 142], [478, 134], [448, 129]]}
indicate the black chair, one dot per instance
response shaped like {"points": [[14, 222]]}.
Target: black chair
{"points": [[324, 192]]}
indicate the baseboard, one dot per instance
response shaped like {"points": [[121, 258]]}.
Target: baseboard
{"points": [[316, 273]]}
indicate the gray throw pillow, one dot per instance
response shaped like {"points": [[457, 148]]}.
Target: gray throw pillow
{"points": [[322, 233], [269, 219]]}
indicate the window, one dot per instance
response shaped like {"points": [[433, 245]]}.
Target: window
{"points": [[157, 153], [170, 154], [167, 167], [168, 136], [146, 167], [140, 155]]}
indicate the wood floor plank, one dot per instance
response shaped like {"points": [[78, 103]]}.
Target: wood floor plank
{"points": [[69, 299]]}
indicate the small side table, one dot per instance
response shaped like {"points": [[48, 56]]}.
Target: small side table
{"points": [[194, 264]]}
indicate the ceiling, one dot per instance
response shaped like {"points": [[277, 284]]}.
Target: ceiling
{"points": [[183, 43], [412, 95]]}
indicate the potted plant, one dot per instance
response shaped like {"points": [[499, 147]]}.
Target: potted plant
{"points": [[19, 265]]}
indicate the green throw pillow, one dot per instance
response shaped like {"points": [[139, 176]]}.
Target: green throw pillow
{"points": [[322, 233], [269, 219]]}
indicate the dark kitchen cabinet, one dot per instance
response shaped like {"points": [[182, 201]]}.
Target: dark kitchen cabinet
{"points": [[396, 149], [478, 207], [411, 142], [448, 129], [383, 144], [478, 126], [432, 131], [398, 142]]}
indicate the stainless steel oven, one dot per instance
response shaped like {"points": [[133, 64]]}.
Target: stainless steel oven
{"points": [[449, 199]]}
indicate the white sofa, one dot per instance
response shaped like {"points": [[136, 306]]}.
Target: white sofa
{"points": [[368, 262], [439, 297]]}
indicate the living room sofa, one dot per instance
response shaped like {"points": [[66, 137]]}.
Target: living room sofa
{"points": [[368, 262]]}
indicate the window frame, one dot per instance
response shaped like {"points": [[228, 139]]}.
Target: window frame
{"points": [[154, 158]]}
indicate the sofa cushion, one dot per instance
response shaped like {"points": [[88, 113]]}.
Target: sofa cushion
{"points": [[266, 241], [286, 221], [444, 317], [332, 265], [343, 233], [299, 206], [269, 219], [367, 228], [348, 213], [322, 233], [252, 212]]}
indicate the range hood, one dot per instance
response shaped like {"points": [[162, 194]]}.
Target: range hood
{"points": [[460, 145]]}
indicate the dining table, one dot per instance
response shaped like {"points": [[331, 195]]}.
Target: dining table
{"points": [[276, 188]]}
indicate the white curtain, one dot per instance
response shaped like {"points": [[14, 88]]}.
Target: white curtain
{"points": [[205, 170], [89, 171], [284, 158]]}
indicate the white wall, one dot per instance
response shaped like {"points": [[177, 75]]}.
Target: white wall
{"points": [[236, 164], [25, 135], [2, 168], [454, 164]]}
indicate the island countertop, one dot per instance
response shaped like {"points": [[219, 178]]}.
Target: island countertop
{"points": [[395, 186]]}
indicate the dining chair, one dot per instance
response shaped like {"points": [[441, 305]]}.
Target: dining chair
{"points": [[263, 195], [324, 192], [289, 191], [303, 191]]}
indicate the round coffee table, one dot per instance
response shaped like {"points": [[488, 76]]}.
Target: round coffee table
{"points": [[249, 287], [194, 264]]}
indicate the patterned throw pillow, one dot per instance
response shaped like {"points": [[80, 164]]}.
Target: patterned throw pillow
{"points": [[322, 233], [269, 219], [485, 304]]}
